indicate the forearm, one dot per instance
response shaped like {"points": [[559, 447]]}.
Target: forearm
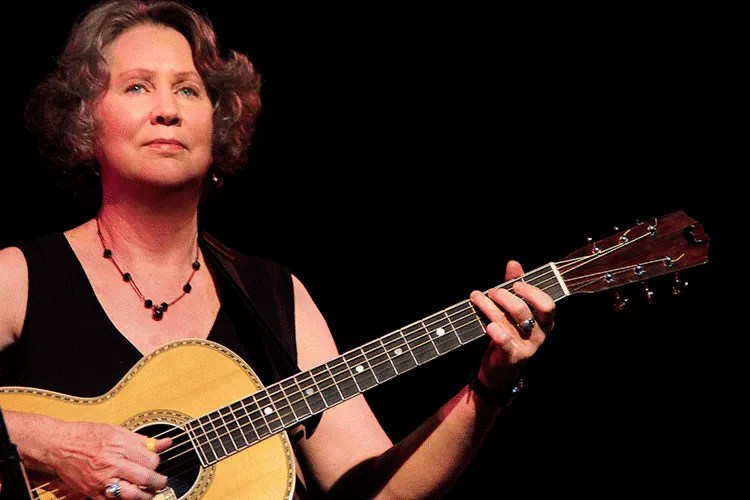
{"points": [[426, 462]]}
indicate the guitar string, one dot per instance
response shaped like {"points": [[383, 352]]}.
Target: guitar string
{"points": [[280, 410], [345, 365], [563, 266], [410, 349]]}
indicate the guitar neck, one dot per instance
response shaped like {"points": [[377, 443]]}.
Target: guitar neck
{"points": [[289, 402], [664, 245]]}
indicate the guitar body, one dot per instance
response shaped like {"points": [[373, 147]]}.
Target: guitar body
{"points": [[177, 383]]}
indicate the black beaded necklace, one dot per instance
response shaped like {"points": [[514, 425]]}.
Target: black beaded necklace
{"points": [[160, 309]]}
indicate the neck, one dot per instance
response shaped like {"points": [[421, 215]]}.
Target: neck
{"points": [[160, 237]]}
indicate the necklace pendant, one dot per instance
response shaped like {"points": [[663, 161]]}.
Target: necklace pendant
{"points": [[158, 313]]}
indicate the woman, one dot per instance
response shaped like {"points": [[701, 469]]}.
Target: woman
{"points": [[142, 101]]}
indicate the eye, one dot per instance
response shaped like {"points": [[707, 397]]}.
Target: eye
{"points": [[188, 91], [135, 88]]}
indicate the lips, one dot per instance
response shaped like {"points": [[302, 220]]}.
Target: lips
{"points": [[170, 145], [158, 142]]}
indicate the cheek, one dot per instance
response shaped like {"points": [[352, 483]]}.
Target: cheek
{"points": [[205, 131], [114, 123]]}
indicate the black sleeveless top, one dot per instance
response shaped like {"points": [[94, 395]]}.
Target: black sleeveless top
{"points": [[66, 331]]}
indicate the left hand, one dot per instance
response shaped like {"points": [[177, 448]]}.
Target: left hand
{"points": [[510, 346]]}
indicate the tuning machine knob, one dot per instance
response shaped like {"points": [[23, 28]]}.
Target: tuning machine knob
{"points": [[594, 247], [620, 302], [678, 286], [649, 293]]}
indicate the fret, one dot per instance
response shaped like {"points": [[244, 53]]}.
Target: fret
{"points": [[333, 378], [206, 442], [296, 399], [400, 353], [343, 378], [466, 322], [346, 378], [240, 421], [380, 362], [451, 325], [362, 371], [420, 343], [442, 333], [269, 410], [254, 412], [300, 400], [388, 355], [284, 409], [249, 431], [310, 389], [208, 422], [224, 416], [200, 444], [327, 387]]}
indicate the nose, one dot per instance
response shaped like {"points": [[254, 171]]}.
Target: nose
{"points": [[165, 110]]}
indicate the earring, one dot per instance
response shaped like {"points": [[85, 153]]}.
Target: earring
{"points": [[214, 178]]}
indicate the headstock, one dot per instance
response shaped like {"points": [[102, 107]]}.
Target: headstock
{"points": [[660, 246]]}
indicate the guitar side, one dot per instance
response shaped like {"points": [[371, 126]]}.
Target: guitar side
{"points": [[176, 383]]}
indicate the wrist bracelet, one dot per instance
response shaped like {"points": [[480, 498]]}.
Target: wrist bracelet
{"points": [[494, 396]]}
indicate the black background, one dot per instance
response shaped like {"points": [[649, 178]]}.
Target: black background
{"points": [[404, 155]]}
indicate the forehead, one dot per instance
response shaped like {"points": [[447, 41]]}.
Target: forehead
{"points": [[151, 47]]}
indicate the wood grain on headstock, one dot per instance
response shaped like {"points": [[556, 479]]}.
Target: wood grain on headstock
{"points": [[659, 246]]}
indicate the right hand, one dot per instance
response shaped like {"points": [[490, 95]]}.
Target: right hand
{"points": [[88, 456]]}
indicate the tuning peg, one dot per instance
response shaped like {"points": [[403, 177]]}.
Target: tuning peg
{"points": [[679, 286], [620, 303], [689, 233], [594, 248], [649, 293]]}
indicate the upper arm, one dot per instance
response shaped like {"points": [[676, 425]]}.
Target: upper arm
{"points": [[14, 286], [348, 433]]}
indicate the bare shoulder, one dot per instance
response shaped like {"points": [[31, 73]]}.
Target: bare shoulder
{"points": [[14, 286], [315, 344]]}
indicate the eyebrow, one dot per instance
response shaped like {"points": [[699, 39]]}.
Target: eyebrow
{"points": [[142, 72]]}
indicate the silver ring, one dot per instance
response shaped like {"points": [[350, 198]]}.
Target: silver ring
{"points": [[526, 325], [113, 490]]}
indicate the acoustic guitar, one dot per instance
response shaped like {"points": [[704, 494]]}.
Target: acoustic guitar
{"points": [[229, 430]]}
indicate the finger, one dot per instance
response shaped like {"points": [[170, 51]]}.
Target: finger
{"points": [[156, 445], [517, 314], [503, 337], [489, 308], [505, 309], [162, 444], [515, 306], [148, 453], [540, 303], [144, 477], [130, 490], [513, 270]]}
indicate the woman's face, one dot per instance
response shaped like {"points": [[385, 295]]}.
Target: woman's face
{"points": [[153, 124]]}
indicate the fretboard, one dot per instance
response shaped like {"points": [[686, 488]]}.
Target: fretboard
{"points": [[289, 402]]}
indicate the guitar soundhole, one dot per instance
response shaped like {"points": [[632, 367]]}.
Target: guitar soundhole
{"points": [[179, 463]]}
